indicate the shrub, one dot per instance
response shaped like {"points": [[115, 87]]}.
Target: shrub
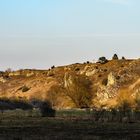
{"points": [[5, 104], [52, 95], [118, 77], [137, 100], [99, 75], [21, 104], [96, 67], [14, 104], [25, 89], [53, 67], [46, 109], [77, 69], [125, 103], [102, 60], [115, 57], [78, 89], [105, 70], [105, 81], [8, 70], [124, 106]]}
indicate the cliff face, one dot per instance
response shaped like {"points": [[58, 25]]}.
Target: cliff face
{"points": [[106, 81]]}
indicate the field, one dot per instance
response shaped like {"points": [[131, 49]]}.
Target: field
{"points": [[76, 126]]}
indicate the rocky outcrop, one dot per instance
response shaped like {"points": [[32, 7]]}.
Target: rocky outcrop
{"points": [[2, 79], [89, 70], [106, 80], [111, 79]]}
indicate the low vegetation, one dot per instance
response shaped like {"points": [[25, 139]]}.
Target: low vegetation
{"points": [[115, 57], [114, 84], [102, 60], [78, 89]]}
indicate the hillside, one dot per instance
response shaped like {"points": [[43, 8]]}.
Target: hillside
{"points": [[77, 85]]}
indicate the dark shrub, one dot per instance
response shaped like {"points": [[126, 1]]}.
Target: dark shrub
{"points": [[96, 67], [53, 67], [5, 106], [11, 104], [123, 58], [35, 103], [20, 104], [77, 69], [118, 77], [124, 110], [105, 81], [25, 88], [46, 109], [115, 57], [6, 76], [102, 60]]}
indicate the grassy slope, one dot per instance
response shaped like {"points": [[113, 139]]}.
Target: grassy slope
{"points": [[41, 81]]}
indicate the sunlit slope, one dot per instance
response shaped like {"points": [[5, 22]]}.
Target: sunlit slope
{"points": [[76, 85]]}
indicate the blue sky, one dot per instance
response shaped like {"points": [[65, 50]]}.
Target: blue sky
{"points": [[42, 33]]}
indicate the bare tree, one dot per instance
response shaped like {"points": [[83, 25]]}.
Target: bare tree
{"points": [[53, 94], [8, 70], [78, 89], [137, 100], [125, 103]]}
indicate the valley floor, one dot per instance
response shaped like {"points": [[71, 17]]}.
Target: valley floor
{"points": [[42, 128]]}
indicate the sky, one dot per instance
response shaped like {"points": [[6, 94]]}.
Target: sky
{"points": [[41, 33]]}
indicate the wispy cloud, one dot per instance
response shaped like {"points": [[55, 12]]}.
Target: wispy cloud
{"points": [[121, 2], [96, 35]]}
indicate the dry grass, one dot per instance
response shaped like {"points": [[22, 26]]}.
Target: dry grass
{"points": [[58, 128], [41, 83]]}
